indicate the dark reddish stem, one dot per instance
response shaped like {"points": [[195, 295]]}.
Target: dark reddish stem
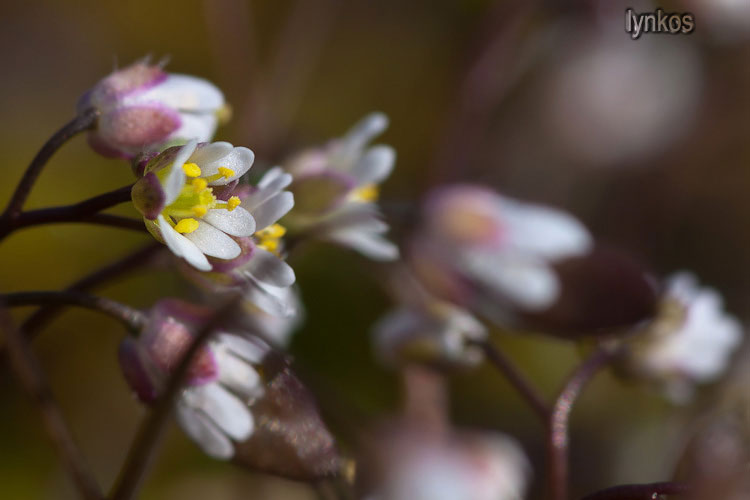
{"points": [[557, 443]]}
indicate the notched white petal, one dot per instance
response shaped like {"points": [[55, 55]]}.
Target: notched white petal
{"points": [[204, 432], [214, 242], [182, 247], [237, 222]]}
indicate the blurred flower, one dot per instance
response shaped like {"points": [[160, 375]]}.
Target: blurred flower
{"points": [[144, 108], [437, 333], [492, 253], [727, 20], [611, 100], [184, 196], [258, 270], [419, 466], [214, 408], [336, 187], [690, 341]]}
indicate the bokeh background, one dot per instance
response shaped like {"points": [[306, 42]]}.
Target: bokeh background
{"points": [[646, 141]]}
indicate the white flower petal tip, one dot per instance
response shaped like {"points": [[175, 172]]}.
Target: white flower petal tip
{"points": [[182, 247]]}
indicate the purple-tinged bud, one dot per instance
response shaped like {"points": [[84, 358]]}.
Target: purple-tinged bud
{"points": [[143, 108]]}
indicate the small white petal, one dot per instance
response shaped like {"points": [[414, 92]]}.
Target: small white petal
{"points": [[224, 409], [176, 177], [214, 242], [253, 352], [375, 165], [211, 153], [530, 284], [369, 244], [270, 299], [364, 130], [237, 222], [268, 268], [238, 375], [277, 177], [182, 247], [184, 93], [266, 190], [239, 160], [543, 231], [204, 432], [273, 209]]}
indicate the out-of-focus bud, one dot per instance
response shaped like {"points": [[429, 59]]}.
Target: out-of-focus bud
{"points": [[143, 108], [290, 439], [223, 382], [336, 188], [689, 342], [408, 464], [491, 253], [611, 100], [185, 201]]}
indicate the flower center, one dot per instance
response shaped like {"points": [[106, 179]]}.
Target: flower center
{"points": [[270, 237], [196, 198]]}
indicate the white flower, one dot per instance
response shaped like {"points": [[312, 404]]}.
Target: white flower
{"points": [[143, 108], [181, 198], [336, 188], [690, 341], [215, 407], [478, 245], [436, 332]]}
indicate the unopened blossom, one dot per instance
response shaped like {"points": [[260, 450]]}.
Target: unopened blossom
{"points": [[493, 253], [425, 329], [690, 341], [186, 202], [258, 270], [336, 188], [223, 382], [143, 108], [416, 466]]}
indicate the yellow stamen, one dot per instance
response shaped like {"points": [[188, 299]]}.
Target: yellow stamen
{"points": [[226, 172], [270, 245], [199, 210], [191, 170], [233, 203], [269, 237], [368, 192], [186, 226], [199, 185]]}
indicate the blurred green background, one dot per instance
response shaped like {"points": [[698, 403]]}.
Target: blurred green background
{"points": [[647, 144]]}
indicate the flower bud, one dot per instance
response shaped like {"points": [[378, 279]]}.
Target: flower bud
{"points": [[143, 108]]}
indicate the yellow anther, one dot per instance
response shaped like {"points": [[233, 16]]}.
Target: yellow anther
{"points": [[199, 210], [191, 170], [272, 231], [368, 192], [226, 172], [270, 245], [233, 203], [199, 185], [186, 226]]}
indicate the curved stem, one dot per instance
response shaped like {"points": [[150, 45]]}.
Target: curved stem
{"points": [[85, 211], [639, 491], [46, 313], [557, 444], [29, 372], [80, 123], [151, 432], [514, 376], [131, 318]]}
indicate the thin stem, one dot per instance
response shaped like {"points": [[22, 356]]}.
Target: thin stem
{"points": [[34, 381], [85, 211], [151, 432], [80, 123], [131, 318], [639, 491], [517, 379], [557, 443], [46, 313]]}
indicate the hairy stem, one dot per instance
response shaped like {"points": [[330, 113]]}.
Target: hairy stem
{"points": [[131, 318], [518, 380], [639, 491], [151, 431], [31, 376], [80, 123], [557, 438]]}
